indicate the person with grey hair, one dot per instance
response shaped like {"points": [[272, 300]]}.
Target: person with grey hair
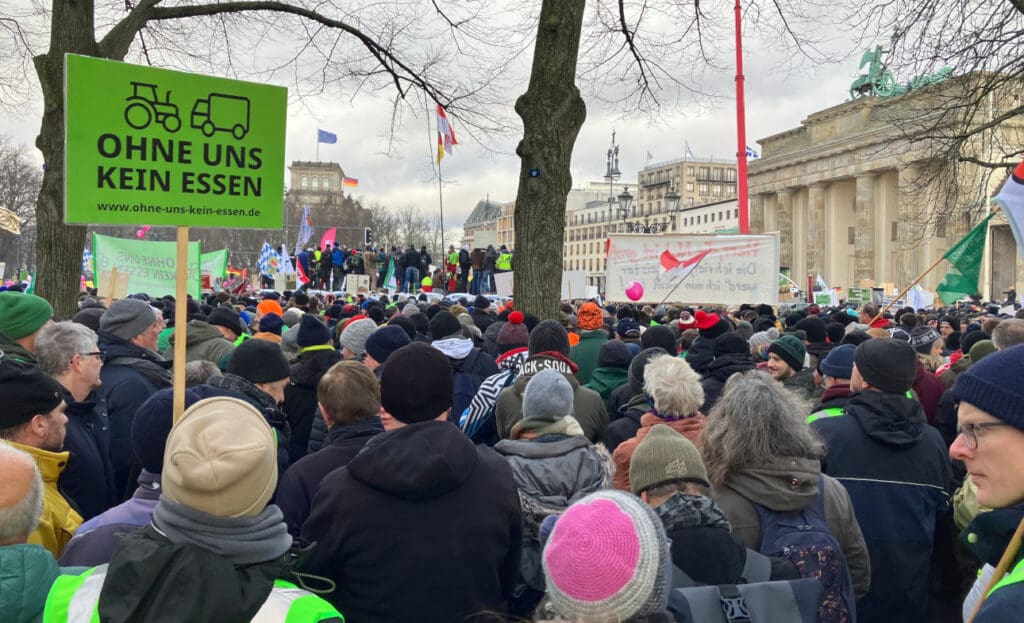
{"points": [[199, 372], [758, 450], [132, 372], [28, 569], [68, 352], [1007, 333]]}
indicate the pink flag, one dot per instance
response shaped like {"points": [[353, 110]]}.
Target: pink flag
{"points": [[300, 273], [329, 237]]}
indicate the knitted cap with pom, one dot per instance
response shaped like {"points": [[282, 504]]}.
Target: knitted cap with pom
{"points": [[607, 558], [514, 333]]}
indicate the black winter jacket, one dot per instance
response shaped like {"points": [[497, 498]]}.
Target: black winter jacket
{"points": [[130, 375], [719, 372], [701, 354], [628, 422], [299, 484], [88, 480], [896, 470], [420, 526], [300, 397]]}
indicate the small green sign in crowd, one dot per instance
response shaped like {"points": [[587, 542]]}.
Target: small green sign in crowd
{"points": [[151, 265], [147, 145]]}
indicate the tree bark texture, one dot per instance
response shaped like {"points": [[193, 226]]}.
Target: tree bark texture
{"points": [[553, 113]]}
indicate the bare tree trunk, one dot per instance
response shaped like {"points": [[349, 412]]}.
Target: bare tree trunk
{"points": [[553, 113], [59, 246]]}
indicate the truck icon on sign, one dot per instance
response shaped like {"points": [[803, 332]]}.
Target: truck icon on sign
{"points": [[222, 113]]}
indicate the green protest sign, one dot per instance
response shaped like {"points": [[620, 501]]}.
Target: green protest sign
{"points": [[822, 298], [214, 263], [161, 147], [860, 295], [151, 265]]}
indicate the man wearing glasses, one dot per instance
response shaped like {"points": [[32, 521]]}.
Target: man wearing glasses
{"points": [[68, 352], [895, 468], [990, 415]]}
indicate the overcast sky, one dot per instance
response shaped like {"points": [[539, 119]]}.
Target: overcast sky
{"points": [[776, 101]]}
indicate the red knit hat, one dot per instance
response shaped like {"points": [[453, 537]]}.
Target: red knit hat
{"points": [[706, 320]]}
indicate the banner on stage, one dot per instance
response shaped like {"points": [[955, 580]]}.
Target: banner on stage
{"points": [[503, 283], [214, 264], [150, 265], [724, 269]]}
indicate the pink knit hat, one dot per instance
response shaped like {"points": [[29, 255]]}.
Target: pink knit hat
{"points": [[608, 556]]}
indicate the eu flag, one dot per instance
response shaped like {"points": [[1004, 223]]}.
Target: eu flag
{"points": [[323, 136]]}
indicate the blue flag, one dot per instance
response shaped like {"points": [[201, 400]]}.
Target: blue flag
{"points": [[323, 136], [752, 153]]}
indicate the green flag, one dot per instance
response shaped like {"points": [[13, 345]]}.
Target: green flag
{"points": [[389, 276], [965, 260]]}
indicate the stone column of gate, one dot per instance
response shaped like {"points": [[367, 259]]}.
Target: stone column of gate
{"points": [[910, 231], [816, 243], [756, 214], [864, 243], [784, 221]]}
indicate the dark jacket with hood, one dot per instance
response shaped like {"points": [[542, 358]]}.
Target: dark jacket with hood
{"points": [[300, 396], [988, 536], [789, 484], [481, 318], [628, 423], [606, 379], [703, 545], [701, 354], [719, 372], [897, 472], [88, 480], [588, 408], [803, 384], [130, 375], [203, 342], [420, 526], [299, 484], [237, 387]]}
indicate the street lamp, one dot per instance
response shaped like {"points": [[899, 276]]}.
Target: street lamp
{"points": [[625, 199], [672, 202]]}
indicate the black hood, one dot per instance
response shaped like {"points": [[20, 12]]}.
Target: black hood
{"points": [[725, 366], [701, 354], [114, 347], [311, 366], [416, 462], [892, 419]]}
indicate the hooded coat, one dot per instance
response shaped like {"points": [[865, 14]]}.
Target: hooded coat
{"points": [[59, 520], [987, 537], [718, 373], [586, 353], [203, 342], [897, 472], [628, 423], [689, 427], [772, 486], [606, 379], [88, 479], [588, 408], [420, 526], [300, 396]]}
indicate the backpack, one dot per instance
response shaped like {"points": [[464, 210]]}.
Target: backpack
{"points": [[803, 537], [485, 430], [467, 383], [464, 257]]}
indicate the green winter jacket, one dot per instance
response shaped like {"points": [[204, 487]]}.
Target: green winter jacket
{"points": [[605, 380], [26, 574], [203, 342], [586, 353], [15, 350]]}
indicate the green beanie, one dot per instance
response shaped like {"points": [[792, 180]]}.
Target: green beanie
{"points": [[791, 350], [22, 314], [664, 456]]}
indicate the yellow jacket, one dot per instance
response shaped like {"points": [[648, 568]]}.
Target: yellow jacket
{"points": [[59, 520]]}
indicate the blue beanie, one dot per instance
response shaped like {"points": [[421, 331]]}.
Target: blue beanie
{"points": [[994, 386], [839, 362]]}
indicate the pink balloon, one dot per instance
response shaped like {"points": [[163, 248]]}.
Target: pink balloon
{"points": [[140, 234], [635, 290], [145, 229]]}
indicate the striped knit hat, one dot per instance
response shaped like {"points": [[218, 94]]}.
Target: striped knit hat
{"points": [[608, 556]]}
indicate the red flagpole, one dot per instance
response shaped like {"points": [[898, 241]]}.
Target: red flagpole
{"points": [[741, 131]]}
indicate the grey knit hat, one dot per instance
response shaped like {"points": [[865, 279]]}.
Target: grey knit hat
{"points": [[664, 456], [548, 397], [127, 318], [354, 336], [761, 338], [607, 558]]}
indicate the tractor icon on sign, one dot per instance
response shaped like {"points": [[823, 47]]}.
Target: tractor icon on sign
{"points": [[144, 107], [220, 112]]}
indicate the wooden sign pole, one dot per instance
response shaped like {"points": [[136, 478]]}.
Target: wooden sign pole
{"points": [[180, 322]]}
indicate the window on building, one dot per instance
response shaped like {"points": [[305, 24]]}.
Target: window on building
{"points": [[689, 187], [689, 201], [716, 190], [705, 173], [702, 190], [327, 183], [689, 171], [305, 182], [705, 218], [316, 183], [713, 216], [851, 235], [730, 175], [895, 231]]}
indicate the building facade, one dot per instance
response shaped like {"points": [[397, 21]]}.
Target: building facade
{"points": [[855, 200], [319, 186]]}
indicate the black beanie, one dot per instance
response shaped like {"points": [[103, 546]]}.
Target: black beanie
{"points": [[856, 338], [731, 343], [635, 376], [835, 332], [763, 323], [151, 426], [259, 361], [549, 335], [889, 365], [814, 327], [27, 392], [416, 384], [660, 336], [405, 322], [614, 354], [970, 339], [444, 324], [227, 318], [312, 332]]}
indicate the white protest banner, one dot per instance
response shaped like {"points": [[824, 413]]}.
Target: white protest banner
{"points": [[574, 284], [503, 283], [724, 269], [151, 265]]}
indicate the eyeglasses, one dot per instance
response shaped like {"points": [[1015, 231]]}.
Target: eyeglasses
{"points": [[970, 432], [102, 356]]}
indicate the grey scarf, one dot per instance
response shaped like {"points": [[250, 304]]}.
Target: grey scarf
{"points": [[683, 510], [242, 540]]}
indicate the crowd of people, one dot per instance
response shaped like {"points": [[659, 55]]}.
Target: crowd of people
{"points": [[413, 270], [383, 458]]}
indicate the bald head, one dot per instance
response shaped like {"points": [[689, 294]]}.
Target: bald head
{"points": [[21, 497]]}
